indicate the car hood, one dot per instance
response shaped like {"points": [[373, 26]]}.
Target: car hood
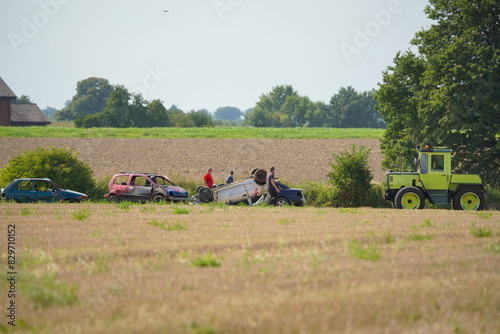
{"points": [[71, 194], [175, 191]]}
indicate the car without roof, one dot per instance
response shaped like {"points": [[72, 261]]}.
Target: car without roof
{"points": [[30, 190], [144, 187]]}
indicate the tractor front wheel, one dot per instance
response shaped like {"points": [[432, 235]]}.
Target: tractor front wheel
{"points": [[468, 199], [409, 198]]}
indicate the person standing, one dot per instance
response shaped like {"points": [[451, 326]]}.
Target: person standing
{"points": [[208, 181], [229, 179], [271, 187]]}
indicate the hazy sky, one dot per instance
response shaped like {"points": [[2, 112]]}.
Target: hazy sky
{"points": [[202, 53]]}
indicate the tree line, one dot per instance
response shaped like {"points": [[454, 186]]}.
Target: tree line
{"points": [[97, 103]]}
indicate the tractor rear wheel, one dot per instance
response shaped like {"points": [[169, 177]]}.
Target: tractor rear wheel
{"points": [[468, 199], [410, 198]]}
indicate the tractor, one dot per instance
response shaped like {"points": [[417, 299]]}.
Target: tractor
{"points": [[435, 182]]}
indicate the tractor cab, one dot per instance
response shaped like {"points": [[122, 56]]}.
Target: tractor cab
{"points": [[434, 168]]}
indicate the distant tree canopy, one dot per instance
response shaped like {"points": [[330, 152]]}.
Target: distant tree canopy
{"points": [[131, 110], [90, 98], [99, 104], [228, 113], [284, 107], [448, 93], [22, 99], [50, 112]]}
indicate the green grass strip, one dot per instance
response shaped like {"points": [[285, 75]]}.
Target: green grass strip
{"points": [[213, 132]]}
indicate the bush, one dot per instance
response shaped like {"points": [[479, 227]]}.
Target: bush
{"points": [[323, 195], [352, 176], [60, 165], [493, 198]]}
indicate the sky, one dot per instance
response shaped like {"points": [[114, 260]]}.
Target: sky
{"points": [[202, 54]]}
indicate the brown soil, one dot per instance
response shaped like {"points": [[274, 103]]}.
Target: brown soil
{"points": [[296, 160]]}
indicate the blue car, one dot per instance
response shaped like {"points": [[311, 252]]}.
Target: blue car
{"points": [[39, 190], [289, 196]]}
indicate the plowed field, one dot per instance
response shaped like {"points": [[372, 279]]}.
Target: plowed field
{"points": [[296, 160]]}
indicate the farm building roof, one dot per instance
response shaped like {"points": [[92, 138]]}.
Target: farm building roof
{"points": [[5, 90], [28, 114]]}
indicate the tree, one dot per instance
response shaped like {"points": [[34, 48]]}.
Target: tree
{"points": [[50, 112], [90, 98], [447, 93], [282, 107], [228, 113], [352, 109], [22, 99], [61, 165], [117, 111], [200, 118]]}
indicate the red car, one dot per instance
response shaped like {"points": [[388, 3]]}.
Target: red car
{"points": [[144, 187]]}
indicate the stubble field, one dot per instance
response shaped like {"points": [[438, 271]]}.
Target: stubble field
{"points": [[296, 160], [104, 268]]}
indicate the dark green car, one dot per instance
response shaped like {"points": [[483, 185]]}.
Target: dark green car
{"points": [[39, 190]]}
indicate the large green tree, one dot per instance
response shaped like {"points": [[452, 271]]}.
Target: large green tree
{"points": [[282, 107], [90, 98], [447, 93], [352, 109]]}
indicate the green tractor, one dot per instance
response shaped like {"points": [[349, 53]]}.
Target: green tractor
{"points": [[434, 181]]}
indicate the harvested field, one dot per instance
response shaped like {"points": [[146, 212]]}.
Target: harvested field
{"points": [[103, 268], [296, 160]]}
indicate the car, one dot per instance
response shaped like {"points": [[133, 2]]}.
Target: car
{"points": [[39, 190], [144, 187], [289, 196], [250, 190]]}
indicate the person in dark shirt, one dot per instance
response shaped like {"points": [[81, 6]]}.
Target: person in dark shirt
{"points": [[271, 187], [229, 179]]}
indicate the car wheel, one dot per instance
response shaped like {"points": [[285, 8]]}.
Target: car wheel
{"points": [[410, 198], [198, 189], [205, 195], [260, 177], [113, 199], [282, 201], [158, 198], [468, 199]]}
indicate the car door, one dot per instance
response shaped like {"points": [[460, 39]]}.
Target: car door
{"points": [[24, 191], [43, 192], [139, 189]]}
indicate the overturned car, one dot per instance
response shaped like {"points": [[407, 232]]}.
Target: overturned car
{"points": [[250, 190], [144, 187]]}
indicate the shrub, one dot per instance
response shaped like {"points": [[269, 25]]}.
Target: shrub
{"points": [[352, 176], [493, 198], [319, 194], [60, 165]]}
